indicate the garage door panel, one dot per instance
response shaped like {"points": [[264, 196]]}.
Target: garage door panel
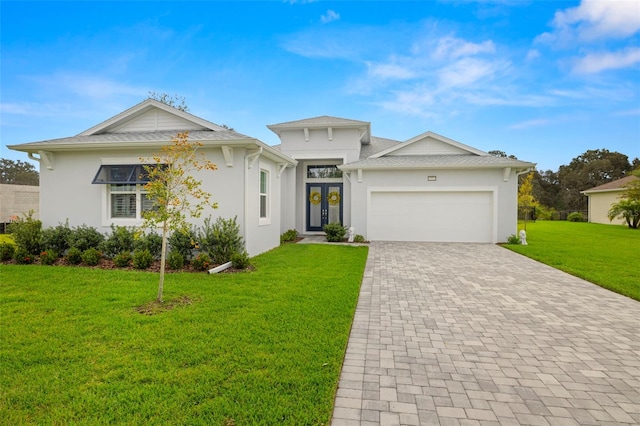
{"points": [[431, 216]]}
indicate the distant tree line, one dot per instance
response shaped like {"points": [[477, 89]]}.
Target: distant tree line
{"points": [[18, 173], [560, 190]]}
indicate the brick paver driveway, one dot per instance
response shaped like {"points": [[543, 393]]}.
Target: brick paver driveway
{"points": [[477, 335]]}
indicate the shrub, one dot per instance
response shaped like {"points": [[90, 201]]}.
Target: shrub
{"points": [[183, 242], [85, 237], [289, 236], [22, 256], [151, 242], [56, 239], [27, 233], [335, 232], [142, 258], [123, 259], [7, 251], [358, 239], [240, 260], [120, 240], [48, 257], [221, 239], [575, 217], [513, 239], [91, 256], [74, 256], [201, 262], [175, 260]]}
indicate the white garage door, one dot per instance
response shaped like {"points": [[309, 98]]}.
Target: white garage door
{"points": [[431, 216]]}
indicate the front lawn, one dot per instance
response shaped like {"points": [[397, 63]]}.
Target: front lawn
{"points": [[262, 347], [607, 255]]}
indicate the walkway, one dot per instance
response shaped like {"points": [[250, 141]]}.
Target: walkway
{"points": [[454, 334]]}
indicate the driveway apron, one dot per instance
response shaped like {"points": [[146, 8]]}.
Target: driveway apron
{"points": [[474, 334]]}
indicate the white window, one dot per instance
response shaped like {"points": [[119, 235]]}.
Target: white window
{"points": [[264, 196], [126, 198]]}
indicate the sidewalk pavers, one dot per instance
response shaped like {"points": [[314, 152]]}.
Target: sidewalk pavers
{"points": [[474, 334]]}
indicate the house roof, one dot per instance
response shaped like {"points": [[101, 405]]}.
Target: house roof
{"points": [[436, 162], [323, 122], [376, 145], [143, 107], [613, 186]]}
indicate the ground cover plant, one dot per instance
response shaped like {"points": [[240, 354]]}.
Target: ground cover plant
{"points": [[84, 346], [606, 255]]}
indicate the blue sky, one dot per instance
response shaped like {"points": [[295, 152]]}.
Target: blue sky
{"points": [[542, 80]]}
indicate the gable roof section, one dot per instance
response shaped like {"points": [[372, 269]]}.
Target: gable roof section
{"points": [[430, 143], [141, 117], [613, 186]]}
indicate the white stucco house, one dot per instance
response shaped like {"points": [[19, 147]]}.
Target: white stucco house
{"points": [[326, 169], [602, 197]]}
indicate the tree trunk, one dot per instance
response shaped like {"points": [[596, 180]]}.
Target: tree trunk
{"points": [[163, 259]]}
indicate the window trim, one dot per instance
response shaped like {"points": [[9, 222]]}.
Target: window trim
{"points": [[266, 219]]}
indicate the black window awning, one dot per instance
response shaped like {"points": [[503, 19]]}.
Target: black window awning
{"points": [[122, 173]]}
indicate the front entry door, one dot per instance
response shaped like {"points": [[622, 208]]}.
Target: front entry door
{"points": [[324, 205]]}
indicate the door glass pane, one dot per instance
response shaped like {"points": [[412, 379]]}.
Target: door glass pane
{"points": [[334, 198], [315, 206]]}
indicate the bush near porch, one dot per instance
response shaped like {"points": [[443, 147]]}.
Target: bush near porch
{"points": [[264, 347], [607, 255]]}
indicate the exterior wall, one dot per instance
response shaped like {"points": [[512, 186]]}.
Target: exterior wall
{"points": [[345, 144], [506, 192], [288, 200], [17, 200], [343, 148], [599, 205], [68, 194]]}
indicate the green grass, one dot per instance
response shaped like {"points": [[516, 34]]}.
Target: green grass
{"points": [[262, 347], [607, 255]]}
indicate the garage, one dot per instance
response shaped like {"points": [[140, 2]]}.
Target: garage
{"points": [[438, 216]]}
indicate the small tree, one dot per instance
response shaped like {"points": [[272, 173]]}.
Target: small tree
{"points": [[629, 205], [526, 200], [174, 191]]}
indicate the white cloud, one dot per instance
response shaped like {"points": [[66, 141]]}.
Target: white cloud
{"points": [[597, 62], [530, 123], [593, 20], [452, 48], [466, 72], [330, 16], [532, 54], [390, 71]]}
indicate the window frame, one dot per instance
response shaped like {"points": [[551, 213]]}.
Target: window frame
{"points": [[264, 218]]}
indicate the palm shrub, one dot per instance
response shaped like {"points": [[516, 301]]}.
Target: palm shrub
{"points": [[27, 234], [335, 232], [120, 240], [84, 237], [627, 209], [56, 238], [221, 239]]}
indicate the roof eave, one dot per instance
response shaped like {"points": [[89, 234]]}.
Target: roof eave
{"points": [[349, 167]]}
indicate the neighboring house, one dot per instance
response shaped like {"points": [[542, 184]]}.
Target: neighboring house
{"points": [[602, 197], [326, 169], [18, 201]]}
